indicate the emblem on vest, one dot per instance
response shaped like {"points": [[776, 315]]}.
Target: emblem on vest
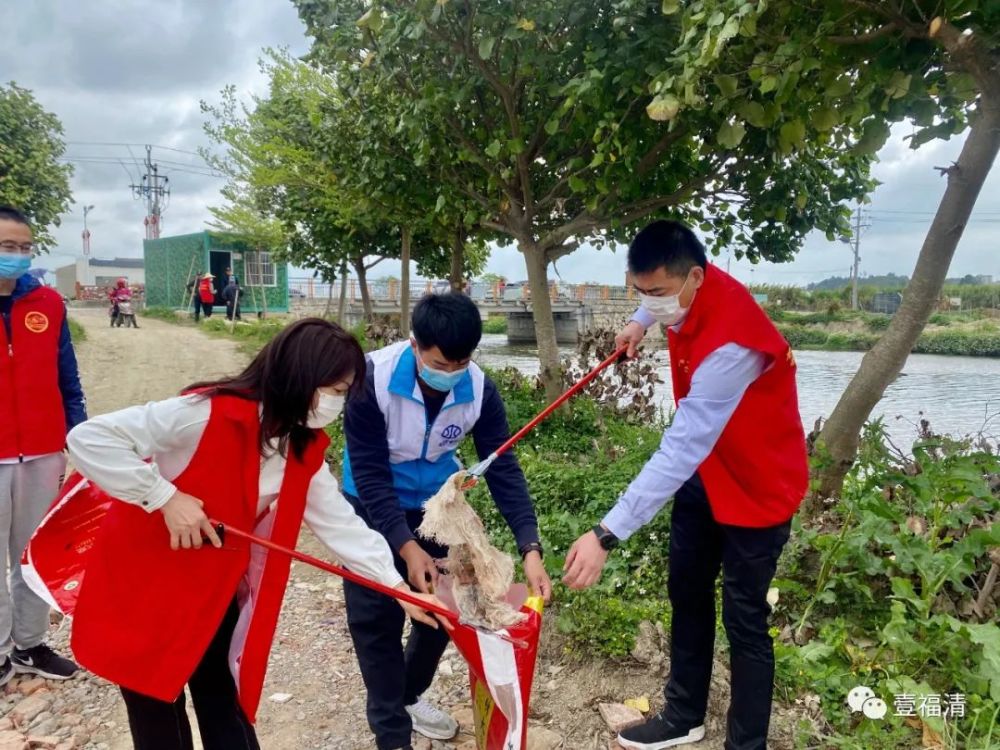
{"points": [[452, 435], [36, 322]]}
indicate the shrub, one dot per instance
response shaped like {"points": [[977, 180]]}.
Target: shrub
{"points": [[804, 337], [495, 324]]}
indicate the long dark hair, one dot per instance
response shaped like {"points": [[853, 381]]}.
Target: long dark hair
{"points": [[283, 377]]}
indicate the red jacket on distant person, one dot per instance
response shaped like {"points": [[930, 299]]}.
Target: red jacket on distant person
{"points": [[757, 474]]}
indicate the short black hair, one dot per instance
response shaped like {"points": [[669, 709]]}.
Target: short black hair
{"points": [[666, 244], [9, 213], [451, 322]]}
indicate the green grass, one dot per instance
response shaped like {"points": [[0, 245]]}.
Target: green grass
{"points": [[76, 331]]}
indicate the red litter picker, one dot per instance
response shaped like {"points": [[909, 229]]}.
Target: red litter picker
{"points": [[476, 472], [501, 663]]}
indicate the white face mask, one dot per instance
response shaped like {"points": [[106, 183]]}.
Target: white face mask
{"points": [[327, 409], [666, 310]]}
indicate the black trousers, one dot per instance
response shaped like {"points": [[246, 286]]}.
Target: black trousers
{"points": [[232, 307], [394, 676], [159, 725], [200, 307], [699, 547]]}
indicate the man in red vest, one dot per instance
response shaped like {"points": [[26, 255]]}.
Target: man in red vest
{"points": [[734, 460], [41, 400]]}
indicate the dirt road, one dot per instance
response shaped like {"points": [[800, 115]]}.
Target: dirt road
{"points": [[312, 660]]}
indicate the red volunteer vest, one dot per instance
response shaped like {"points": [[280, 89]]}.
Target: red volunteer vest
{"points": [[146, 613], [205, 290], [33, 422], [757, 474]]}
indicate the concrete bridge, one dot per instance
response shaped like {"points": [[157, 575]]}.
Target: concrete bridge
{"points": [[577, 308]]}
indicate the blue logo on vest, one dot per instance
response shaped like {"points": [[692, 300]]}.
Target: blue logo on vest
{"points": [[452, 434]]}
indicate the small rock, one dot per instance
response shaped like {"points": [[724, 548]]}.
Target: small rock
{"points": [[29, 708], [47, 728], [464, 717], [280, 697], [422, 743], [44, 742], [468, 745], [619, 716], [32, 685], [445, 670], [540, 738], [72, 720], [40, 719], [11, 740], [6, 724], [613, 745]]}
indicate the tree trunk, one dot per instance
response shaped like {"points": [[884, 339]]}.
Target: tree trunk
{"points": [[366, 300], [840, 436], [457, 275], [404, 285], [342, 303], [545, 325], [329, 299]]}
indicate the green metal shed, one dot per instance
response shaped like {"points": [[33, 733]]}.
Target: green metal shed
{"points": [[172, 262]]}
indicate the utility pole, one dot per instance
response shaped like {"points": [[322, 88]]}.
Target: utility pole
{"points": [[155, 191], [86, 232], [861, 223]]}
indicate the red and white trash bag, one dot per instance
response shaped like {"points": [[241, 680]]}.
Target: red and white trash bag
{"points": [[54, 561], [501, 671]]}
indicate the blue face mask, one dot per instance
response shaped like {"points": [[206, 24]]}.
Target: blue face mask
{"points": [[14, 265], [440, 380]]}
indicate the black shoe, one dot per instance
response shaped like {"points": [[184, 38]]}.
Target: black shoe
{"points": [[43, 661], [658, 734], [6, 672]]}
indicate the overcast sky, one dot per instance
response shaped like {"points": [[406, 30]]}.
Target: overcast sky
{"points": [[127, 72]]}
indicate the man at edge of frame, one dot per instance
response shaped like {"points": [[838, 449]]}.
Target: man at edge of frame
{"points": [[734, 460]]}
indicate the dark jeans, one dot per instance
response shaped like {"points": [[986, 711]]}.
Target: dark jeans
{"points": [[699, 547], [159, 725], [230, 309], [394, 677]]}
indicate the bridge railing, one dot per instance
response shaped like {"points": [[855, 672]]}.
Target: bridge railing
{"points": [[495, 293]]}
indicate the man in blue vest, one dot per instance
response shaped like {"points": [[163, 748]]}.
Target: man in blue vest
{"points": [[422, 398]]}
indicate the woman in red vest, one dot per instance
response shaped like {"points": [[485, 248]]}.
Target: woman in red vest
{"points": [[159, 609], [206, 296], [734, 461]]}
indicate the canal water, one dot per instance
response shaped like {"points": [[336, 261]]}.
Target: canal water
{"points": [[959, 395]]}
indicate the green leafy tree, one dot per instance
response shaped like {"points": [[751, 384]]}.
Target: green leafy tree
{"points": [[566, 121], [936, 64], [32, 177], [304, 154]]}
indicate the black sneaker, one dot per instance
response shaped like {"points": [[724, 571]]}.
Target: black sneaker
{"points": [[658, 734], [43, 661], [6, 671]]}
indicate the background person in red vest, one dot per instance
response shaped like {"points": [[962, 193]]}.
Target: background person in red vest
{"points": [[42, 398], [734, 460], [206, 296], [157, 609]]}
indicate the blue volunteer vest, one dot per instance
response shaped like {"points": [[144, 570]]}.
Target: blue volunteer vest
{"points": [[421, 455]]}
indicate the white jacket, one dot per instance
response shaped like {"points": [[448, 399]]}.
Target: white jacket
{"points": [[112, 451]]}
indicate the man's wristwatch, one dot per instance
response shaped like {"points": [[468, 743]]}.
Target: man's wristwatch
{"points": [[608, 540], [531, 547]]}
